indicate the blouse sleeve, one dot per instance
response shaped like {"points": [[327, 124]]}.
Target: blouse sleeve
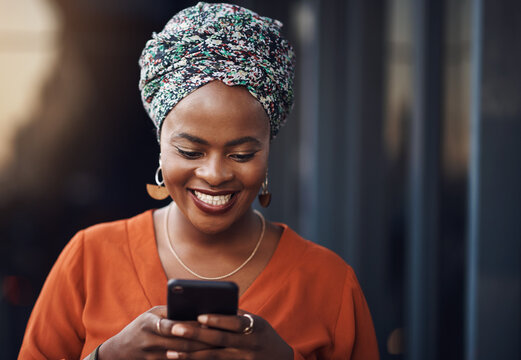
{"points": [[55, 329], [365, 346]]}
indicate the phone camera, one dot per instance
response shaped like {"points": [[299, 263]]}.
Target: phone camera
{"points": [[178, 289]]}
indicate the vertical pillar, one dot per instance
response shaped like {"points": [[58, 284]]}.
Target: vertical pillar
{"points": [[422, 247], [493, 316]]}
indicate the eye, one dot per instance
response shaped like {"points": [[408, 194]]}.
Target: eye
{"points": [[242, 157], [191, 155]]}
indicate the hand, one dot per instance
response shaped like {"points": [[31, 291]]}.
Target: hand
{"points": [[226, 335], [144, 339]]}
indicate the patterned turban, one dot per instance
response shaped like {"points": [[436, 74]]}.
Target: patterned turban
{"points": [[223, 42]]}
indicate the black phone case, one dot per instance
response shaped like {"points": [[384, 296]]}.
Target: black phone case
{"points": [[188, 299]]}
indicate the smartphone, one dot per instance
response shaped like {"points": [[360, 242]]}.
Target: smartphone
{"points": [[188, 299]]}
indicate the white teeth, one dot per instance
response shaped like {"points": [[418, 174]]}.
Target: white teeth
{"points": [[213, 200]]}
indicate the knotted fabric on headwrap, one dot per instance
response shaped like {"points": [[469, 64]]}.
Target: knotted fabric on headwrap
{"points": [[223, 42]]}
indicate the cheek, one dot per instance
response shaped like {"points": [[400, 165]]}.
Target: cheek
{"points": [[253, 179], [175, 171], [253, 176]]}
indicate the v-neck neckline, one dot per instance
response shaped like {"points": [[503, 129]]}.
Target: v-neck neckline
{"points": [[153, 279]]}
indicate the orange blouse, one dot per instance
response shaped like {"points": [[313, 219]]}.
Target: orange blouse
{"points": [[111, 273]]}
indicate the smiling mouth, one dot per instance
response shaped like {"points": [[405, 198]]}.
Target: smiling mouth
{"points": [[213, 200]]}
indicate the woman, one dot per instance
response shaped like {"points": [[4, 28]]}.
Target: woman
{"points": [[217, 82]]}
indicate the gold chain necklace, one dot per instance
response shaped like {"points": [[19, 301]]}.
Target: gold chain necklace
{"points": [[263, 228]]}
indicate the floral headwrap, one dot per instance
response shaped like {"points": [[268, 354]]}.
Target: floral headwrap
{"points": [[223, 42]]}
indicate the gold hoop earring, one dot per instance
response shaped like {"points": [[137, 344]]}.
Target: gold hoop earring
{"points": [[265, 195], [158, 191]]}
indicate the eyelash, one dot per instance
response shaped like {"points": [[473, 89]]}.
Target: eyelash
{"points": [[242, 157], [193, 155]]}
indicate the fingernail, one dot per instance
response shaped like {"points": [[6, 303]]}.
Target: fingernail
{"points": [[170, 354], [178, 330], [203, 319]]}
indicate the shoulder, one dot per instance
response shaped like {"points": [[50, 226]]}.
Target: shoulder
{"points": [[322, 257], [105, 239], [315, 262], [116, 231]]}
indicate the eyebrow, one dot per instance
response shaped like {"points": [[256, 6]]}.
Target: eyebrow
{"points": [[243, 140], [236, 142], [191, 138]]}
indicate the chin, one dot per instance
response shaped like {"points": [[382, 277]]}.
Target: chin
{"points": [[212, 227]]}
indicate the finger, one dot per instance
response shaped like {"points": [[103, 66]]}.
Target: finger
{"points": [[181, 345], [229, 354], [225, 322], [211, 336], [168, 341], [159, 311], [157, 324], [237, 324], [162, 326]]}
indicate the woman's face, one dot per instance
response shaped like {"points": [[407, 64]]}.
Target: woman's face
{"points": [[214, 154]]}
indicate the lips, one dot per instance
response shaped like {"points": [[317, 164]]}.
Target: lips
{"points": [[213, 202]]}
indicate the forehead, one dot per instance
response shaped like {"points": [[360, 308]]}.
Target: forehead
{"points": [[218, 112]]}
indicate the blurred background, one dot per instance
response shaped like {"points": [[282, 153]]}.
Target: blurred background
{"points": [[402, 154]]}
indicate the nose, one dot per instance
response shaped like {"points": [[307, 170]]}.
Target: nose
{"points": [[215, 171]]}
